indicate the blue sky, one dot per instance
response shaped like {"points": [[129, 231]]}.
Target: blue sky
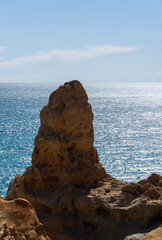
{"points": [[88, 40]]}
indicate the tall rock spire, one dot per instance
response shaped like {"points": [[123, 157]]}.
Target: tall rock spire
{"points": [[64, 143], [63, 152]]}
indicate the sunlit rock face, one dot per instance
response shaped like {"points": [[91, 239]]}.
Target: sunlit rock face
{"points": [[63, 154], [18, 221], [64, 143]]}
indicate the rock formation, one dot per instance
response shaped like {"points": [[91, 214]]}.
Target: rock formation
{"points": [[156, 234], [72, 194], [18, 221], [63, 154], [64, 144]]}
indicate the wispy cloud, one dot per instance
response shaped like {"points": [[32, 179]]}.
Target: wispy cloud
{"points": [[2, 48], [68, 55]]}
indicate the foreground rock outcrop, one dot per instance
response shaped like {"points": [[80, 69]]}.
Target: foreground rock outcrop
{"points": [[72, 194], [18, 221], [156, 234]]}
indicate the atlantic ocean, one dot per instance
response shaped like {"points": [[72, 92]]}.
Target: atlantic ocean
{"points": [[127, 127]]}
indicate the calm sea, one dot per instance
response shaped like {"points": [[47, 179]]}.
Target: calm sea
{"points": [[127, 126]]}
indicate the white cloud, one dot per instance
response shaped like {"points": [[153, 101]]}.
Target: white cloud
{"points": [[2, 48], [68, 55]]}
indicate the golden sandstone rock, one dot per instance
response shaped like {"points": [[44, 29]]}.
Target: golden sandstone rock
{"points": [[154, 235], [63, 153], [64, 143], [18, 221], [72, 194]]}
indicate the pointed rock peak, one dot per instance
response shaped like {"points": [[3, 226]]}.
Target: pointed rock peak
{"points": [[72, 90]]}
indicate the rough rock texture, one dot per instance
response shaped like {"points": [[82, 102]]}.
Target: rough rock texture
{"points": [[71, 192], [137, 236], [63, 154], [18, 221], [154, 235], [64, 144]]}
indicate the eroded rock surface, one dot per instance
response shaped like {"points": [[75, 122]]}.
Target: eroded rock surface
{"points": [[63, 154], [154, 235], [18, 221], [64, 144], [70, 190]]}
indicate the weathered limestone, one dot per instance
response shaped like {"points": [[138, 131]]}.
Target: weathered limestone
{"points": [[64, 144], [18, 221], [63, 154]]}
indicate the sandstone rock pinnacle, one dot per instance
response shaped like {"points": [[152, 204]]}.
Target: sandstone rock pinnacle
{"points": [[65, 139], [63, 153]]}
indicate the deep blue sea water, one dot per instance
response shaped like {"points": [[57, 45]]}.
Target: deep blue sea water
{"points": [[127, 126]]}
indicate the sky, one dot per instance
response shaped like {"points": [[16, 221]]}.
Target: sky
{"points": [[88, 40]]}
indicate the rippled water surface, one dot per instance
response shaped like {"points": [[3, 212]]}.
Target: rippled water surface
{"points": [[127, 126]]}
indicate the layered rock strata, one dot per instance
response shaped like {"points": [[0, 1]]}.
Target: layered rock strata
{"points": [[68, 187]]}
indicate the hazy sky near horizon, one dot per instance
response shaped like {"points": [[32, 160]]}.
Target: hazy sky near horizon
{"points": [[88, 40]]}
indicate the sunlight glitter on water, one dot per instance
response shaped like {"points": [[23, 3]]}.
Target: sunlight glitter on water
{"points": [[127, 128]]}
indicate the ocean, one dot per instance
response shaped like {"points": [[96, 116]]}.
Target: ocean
{"points": [[127, 127]]}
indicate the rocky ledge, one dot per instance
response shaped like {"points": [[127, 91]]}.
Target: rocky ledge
{"points": [[18, 221], [72, 194]]}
